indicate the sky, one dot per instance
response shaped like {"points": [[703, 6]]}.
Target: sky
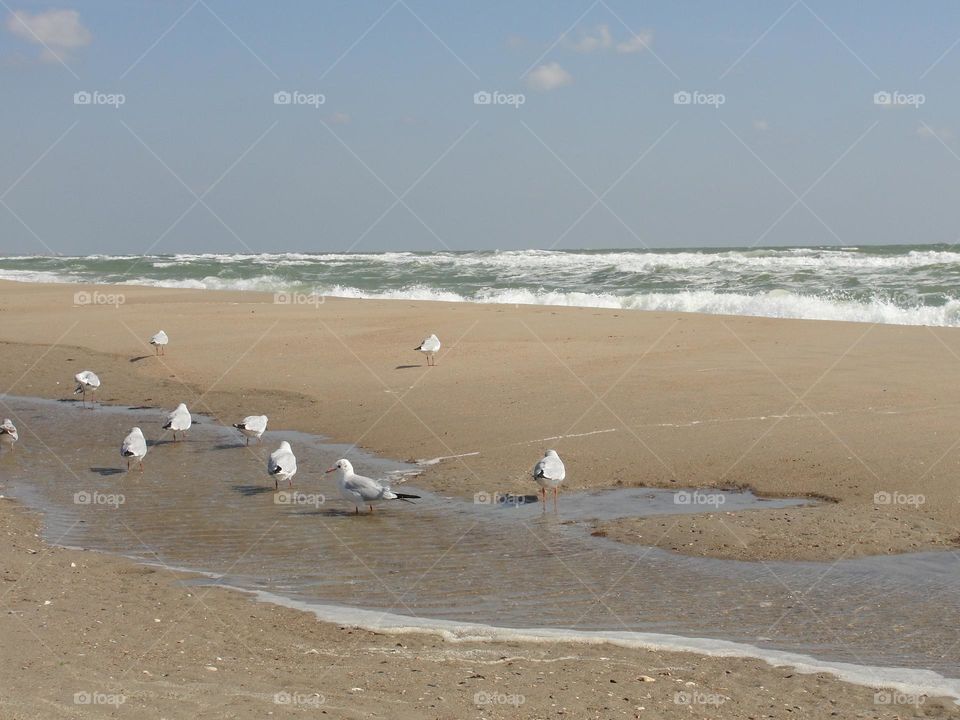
{"points": [[166, 126]]}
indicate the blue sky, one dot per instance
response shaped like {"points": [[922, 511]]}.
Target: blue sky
{"points": [[399, 156]]}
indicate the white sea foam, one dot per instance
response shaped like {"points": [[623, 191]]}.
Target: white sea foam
{"points": [[907, 287], [904, 680]]}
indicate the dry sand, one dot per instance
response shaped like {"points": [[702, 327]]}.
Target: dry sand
{"points": [[835, 410]]}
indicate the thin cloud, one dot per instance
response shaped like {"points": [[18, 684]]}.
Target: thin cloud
{"points": [[600, 39], [57, 31], [549, 76], [638, 43]]}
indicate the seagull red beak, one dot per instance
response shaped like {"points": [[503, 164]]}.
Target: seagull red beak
{"points": [[325, 472]]}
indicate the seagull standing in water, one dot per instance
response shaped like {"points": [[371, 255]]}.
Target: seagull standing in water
{"points": [[179, 421], [549, 473], [430, 347], [86, 380], [159, 342], [134, 447], [8, 431], [282, 465], [253, 426], [362, 490]]}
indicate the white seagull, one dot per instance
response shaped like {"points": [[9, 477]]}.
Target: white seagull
{"points": [[86, 380], [8, 430], [362, 490], [253, 426], [134, 447], [179, 421], [282, 464], [430, 347], [549, 473], [159, 342]]}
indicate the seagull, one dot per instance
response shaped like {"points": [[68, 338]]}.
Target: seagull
{"points": [[430, 346], [134, 447], [253, 426], [159, 341], [549, 473], [179, 421], [362, 490], [86, 380], [9, 430], [282, 465]]}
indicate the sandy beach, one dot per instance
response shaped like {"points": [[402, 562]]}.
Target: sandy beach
{"points": [[860, 417]]}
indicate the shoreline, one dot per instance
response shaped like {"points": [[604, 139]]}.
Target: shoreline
{"points": [[186, 649], [279, 648], [655, 399]]}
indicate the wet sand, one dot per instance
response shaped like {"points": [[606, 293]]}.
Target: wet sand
{"points": [[853, 412], [793, 408], [77, 622]]}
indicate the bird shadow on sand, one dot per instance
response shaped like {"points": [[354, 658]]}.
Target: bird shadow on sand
{"points": [[140, 357], [230, 446], [331, 512], [406, 367], [158, 443], [106, 472], [252, 490]]}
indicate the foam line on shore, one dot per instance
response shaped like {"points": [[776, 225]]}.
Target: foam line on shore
{"points": [[903, 680]]}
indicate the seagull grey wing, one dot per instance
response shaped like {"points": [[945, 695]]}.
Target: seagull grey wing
{"points": [[550, 468], [365, 487]]}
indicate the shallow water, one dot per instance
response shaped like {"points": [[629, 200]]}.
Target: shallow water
{"points": [[207, 504]]}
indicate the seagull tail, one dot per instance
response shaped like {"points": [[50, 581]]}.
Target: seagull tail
{"points": [[240, 426], [79, 390], [406, 498]]}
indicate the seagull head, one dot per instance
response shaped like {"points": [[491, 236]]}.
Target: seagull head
{"points": [[344, 466], [182, 407], [136, 430], [551, 453], [285, 446]]}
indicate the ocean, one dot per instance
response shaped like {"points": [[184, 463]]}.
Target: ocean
{"points": [[901, 285]]}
